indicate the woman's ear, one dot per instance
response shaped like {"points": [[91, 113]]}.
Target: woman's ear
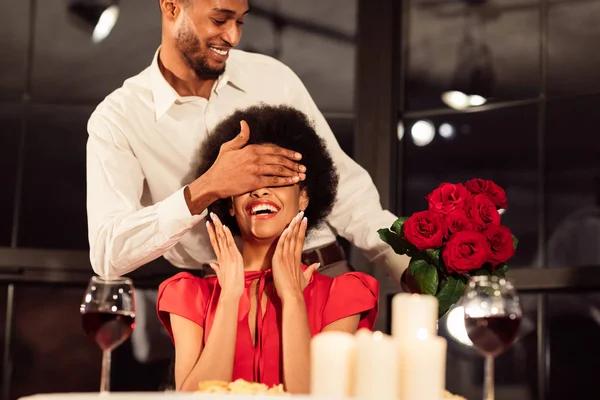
{"points": [[303, 202]]}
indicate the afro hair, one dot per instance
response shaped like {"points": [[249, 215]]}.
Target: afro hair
{"points": [[285, 127]]}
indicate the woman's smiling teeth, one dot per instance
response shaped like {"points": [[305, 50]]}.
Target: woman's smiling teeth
{"points": [[259, 209], [219, 51]]}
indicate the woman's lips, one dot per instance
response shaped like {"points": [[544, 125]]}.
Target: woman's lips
{"points": [[255, 206]]}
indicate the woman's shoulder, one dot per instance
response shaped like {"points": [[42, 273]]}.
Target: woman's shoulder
{"points": [[185, 282], [185, 295], [357, 278], [349, 294], [348, 280], [347, 287]]}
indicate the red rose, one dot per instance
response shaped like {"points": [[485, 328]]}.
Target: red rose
{"points": [[482, 212], [501, 244], [425, 230], [447, 197], [457, 221], [466, 251], [490, 189]]}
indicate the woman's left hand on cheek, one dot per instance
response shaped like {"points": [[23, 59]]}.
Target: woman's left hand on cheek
{"points": [[288, 276]]}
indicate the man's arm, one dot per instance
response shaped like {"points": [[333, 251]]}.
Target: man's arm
{"points": [[123, 234], [357, 213]]}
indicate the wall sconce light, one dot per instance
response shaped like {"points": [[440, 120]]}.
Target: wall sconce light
{"points": [[98, 17]]}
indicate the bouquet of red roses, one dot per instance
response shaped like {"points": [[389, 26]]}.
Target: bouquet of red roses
{"points": [[460, 235]]}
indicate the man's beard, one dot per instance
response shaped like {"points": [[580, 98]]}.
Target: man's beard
{"points": [[189, 46]]}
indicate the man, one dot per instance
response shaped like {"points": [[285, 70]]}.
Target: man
{"points": [[143, 199]]}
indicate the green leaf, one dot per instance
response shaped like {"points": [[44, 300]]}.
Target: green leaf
{"points": [[425, 276], [398, 243], [433, 255], [501, 270], [515, 242], [442, 269], [386, 235], [393, 240], [450, 292], [398, 224]]}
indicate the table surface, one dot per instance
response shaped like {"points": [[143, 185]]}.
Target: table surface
{"points": [[168, 396], [162, 396]]}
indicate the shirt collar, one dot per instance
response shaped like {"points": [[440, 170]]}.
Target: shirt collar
{"points": [[165, 96], [234, 74]]}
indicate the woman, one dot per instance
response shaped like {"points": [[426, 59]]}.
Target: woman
{"points": [[255, 318]]}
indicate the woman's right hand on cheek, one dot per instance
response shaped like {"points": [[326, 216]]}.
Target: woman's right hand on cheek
{"points": [[230, 264]]}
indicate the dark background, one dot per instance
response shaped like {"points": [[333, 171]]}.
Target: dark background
{"points": [[536, 136]]}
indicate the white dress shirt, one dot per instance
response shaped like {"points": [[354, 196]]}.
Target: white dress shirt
{"points": [[143, 149]]}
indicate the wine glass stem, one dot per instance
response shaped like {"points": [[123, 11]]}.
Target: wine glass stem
{"points": [[105, 377], [488, 385]]}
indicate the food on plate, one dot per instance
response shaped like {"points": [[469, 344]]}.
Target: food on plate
{"points": [[450, 396], [213, 387], [240, 386]]}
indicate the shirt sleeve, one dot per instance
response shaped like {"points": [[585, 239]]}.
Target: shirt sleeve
{"points": [[352, 293], [185, 295], [123, 234], [357, 214]]}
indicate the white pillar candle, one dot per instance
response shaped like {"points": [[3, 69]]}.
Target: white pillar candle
{"points": [[376, 366], [422, 369], [332, 364], [414, 316]]}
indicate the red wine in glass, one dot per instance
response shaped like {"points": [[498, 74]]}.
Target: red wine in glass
{"points": [[492, 318], [108, 317], [493, 334], [109, 330]]}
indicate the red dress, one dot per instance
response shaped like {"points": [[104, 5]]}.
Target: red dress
{"points": [[327, 300]]}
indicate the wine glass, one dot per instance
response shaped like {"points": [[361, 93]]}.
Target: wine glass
{"points": [[108, 317], [492, 317]]}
